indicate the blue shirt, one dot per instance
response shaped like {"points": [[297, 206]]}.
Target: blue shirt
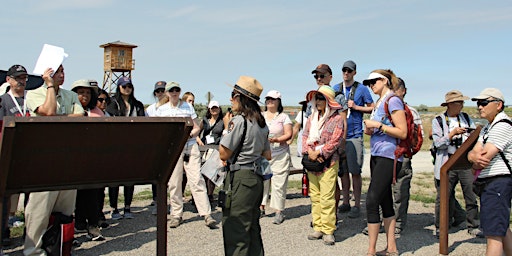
{"points": [[362, 97]]}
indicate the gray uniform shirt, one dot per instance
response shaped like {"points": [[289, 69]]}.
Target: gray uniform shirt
{"points": [[255, 143]]}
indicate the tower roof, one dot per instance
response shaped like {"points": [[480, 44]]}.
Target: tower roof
{"points": [[118, 43]]}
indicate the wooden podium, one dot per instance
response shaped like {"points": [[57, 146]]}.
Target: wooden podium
{"points": [[57, 153], [459, 160]]}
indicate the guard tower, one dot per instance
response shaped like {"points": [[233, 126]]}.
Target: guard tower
{"points": [[117, 62]]}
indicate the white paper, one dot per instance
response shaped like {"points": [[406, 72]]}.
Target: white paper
{"points": [[51, 57], [212, 168]]}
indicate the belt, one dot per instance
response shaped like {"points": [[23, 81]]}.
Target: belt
{"points": [[237, 167]]}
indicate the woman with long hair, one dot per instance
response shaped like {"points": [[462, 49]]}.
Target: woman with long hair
{"points": [[123, 103], [320, 142], [244, 143], [383, 142], [280, 130], [103, 100]]}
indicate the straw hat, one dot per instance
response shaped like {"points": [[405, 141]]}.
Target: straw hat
{"points": [[453, 96], [249, 87], [328, 93]]}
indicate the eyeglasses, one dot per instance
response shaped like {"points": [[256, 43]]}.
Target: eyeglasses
{"points": [[175, 89], [319, 96], [484, 103], [322, 76], [127, 86], [347, 70], [373, 82], [101, 100], [234, 94], [161, 90], [19, 79]]}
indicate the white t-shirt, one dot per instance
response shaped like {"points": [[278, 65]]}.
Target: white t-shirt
{"points": [[184, 109]]}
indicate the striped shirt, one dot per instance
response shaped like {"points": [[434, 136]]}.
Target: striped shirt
{"points": [[498, 134]]}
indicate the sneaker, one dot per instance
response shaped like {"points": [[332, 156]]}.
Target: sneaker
{"points": [[279, 218], [345, 208], [210, 222], [175, 222], [476, 232], [262, 213], [127, 214], [328, 239], [12, 220], [315, 235], [103, 224], [94, 233], [80, 227], [456, 223], [115, 215], [355, 212]]}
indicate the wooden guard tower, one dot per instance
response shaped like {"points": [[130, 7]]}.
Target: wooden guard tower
{"points": [[117, 62]]}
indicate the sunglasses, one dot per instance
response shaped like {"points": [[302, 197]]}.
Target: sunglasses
{"points": [[319, 97], [101, 100], [127, 86], [373, 81], [484, 103], [347, 70], [234, 94], [175, 89], [322, 76], [161, 90]]}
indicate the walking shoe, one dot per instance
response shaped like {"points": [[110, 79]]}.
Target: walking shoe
{"points": [[175, 222], [397, 231], [315, 235], [127, 214], [115, 215], [344, 208], [355, 212], [476, 232], [328, 239], [94, 233], [210, 222], [279, 218], [80, 227], [103, 224], [456, 223]]}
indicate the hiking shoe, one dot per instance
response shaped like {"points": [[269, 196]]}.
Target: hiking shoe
{"points": [[175, 222], [115, 215], [344, 208], [315, 235], [210, 222], [476, 233], [94, 233], [103, 224], [80, 227], [355, 212], [279, 218], [328, 239], [127, 214]]}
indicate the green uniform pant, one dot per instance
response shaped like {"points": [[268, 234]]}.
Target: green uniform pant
{"points": [[241, 222]]}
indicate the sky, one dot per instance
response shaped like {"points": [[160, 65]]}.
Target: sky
{"points": [[435, 46]]}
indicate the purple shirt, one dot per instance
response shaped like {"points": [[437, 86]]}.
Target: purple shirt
{"points": [[381, 144]]}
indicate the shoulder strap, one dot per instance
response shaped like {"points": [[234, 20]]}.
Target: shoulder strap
{"points": [[353, 90], [239, 148], [386, 108], [440, 121], [466, 117], [501, 152]]}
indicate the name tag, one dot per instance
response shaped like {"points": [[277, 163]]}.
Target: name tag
{"points": [[210, 139]]}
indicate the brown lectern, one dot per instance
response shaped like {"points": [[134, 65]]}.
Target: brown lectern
{"points": [[458, 160], [55, 153]]}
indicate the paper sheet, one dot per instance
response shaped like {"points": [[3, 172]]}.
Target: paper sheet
{"points": [[51, 57]]}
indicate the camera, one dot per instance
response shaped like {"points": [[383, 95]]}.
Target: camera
{"points": [[230, 111], [225, 199], [186, 158]]}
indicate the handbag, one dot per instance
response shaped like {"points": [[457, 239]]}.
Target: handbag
{"points": [[314, 166]]}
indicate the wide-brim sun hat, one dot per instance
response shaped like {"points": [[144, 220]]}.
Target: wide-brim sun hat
{"points": [[86, 83], [249, 87], [453, 96], [488, 93], [328, 93]]}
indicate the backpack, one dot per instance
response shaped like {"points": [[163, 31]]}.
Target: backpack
{"points": [[350, 94], [433, 149], [412, 143]]}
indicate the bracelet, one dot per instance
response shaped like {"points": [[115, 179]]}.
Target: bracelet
{"points": [[384, 131], [380, 127], [51, 86]]}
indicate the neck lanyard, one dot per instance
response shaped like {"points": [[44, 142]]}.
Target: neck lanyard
{"points": [[448, 120], [24, 111]]}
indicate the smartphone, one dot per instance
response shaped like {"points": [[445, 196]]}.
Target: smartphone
{"points": [[229, 110]]}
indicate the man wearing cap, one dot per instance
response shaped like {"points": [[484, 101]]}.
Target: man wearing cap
{"points": [[491, 157], [359, 101], [48, 100], [449, 130]]}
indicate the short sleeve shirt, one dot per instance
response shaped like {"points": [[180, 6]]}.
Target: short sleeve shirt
{"points": [[382, 144], [498, 134], [276, 129], [255, 143], [184, 109], [67, 101], [362, 97], [9, 108]]}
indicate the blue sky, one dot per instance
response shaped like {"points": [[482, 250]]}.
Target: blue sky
{"points": [[435, 46]]}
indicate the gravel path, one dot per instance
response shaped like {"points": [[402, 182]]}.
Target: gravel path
{"points": [[138, 236]]}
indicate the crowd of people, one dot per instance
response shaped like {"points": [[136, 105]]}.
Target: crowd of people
{"points": [[329, 129]]}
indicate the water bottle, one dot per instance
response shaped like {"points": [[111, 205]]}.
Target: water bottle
{"points": [[305, 184]]}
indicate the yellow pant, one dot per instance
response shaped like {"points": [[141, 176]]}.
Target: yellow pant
{"points": [[321, 192]]}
